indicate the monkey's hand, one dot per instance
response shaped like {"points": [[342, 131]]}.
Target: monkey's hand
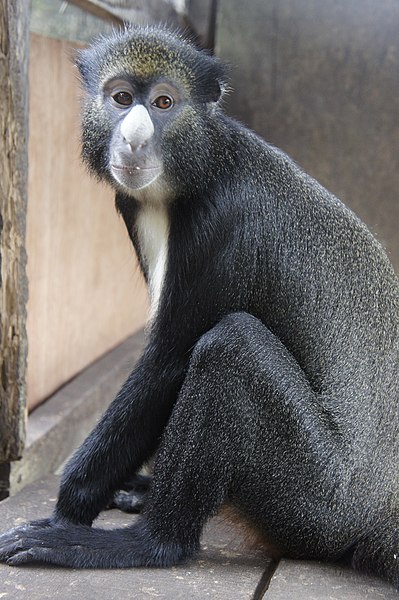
{"points": [[17, 544], [80, 546]]}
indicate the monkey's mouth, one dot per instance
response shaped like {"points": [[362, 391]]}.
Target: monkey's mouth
{"points": [[135, 177], [133, 169]]}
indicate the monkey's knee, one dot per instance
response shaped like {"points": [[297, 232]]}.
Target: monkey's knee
{"points": [[228, 338], [241, 345]]}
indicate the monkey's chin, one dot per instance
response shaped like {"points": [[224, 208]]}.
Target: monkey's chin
{"points": [[135, 178]]}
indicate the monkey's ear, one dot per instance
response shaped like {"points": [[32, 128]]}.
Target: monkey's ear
{"points": [[221, 78], [82, 64], [223, 89], [85, 62], [221, 74]]}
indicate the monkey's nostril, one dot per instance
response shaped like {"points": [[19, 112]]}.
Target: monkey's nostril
{"points": [[135, 147]]}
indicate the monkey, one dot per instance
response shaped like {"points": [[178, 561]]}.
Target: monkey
{"points": [[132, 495], [269, 382]]}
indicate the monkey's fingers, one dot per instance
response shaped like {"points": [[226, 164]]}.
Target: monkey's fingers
{"points": [[12, 541], [44, 542], [129, 502], [40, 554], [80, 546], [23, 557]]}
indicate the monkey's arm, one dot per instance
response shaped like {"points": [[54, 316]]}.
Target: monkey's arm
{"points": [[125, 437]]}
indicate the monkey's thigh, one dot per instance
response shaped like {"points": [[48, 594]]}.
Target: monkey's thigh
{"points": [[247, 429]]}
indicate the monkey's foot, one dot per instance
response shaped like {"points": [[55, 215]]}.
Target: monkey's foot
{"points": [[80, 546], [131, 498], [129, 502]]}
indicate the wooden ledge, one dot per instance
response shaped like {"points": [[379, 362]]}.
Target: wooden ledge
{"points": [[58, 426]]}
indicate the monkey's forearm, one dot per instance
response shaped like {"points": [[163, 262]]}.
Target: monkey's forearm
{"points": [[125, 437]]}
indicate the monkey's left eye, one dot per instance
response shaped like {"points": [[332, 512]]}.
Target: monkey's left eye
{"points": [[163, 102], [123, 98]]}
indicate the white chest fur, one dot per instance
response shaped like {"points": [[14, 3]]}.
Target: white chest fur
{"points": [[153, 230]]}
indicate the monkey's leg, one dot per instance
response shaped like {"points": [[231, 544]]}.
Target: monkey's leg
{"points": [[378, 549], [246, 427]]}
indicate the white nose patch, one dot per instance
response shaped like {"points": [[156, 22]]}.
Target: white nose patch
{"points": [[137, 128]]}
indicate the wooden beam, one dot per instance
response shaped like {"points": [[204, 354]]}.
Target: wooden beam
{"points": [[137, 11], [98, 9], [14, 50]]}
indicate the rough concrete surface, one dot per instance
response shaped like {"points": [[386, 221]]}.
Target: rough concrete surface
{"points": [[300, 580], [224, 569]]}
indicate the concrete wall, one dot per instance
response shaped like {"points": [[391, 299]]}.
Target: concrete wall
{"points": [[320, 79]]}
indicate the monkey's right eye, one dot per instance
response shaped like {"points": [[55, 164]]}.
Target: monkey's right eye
{"points": [[123, 98]]}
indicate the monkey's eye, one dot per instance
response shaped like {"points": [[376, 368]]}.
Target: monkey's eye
{"points": [[123, 98], [163, 102]]}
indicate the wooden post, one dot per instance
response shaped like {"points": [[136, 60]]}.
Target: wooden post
{"points": [[14, 50]]}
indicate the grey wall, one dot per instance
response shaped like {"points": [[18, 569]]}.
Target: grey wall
{"points": [[320, 79]]}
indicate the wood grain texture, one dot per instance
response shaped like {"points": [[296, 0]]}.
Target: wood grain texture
{"points": [[14, 24], [85, 291]]}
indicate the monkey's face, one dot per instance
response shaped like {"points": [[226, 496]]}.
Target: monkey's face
{"points": [[144, 126], [139, 119]]}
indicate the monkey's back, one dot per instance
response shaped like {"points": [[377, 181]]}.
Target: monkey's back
{"points": [[320, 281]]}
